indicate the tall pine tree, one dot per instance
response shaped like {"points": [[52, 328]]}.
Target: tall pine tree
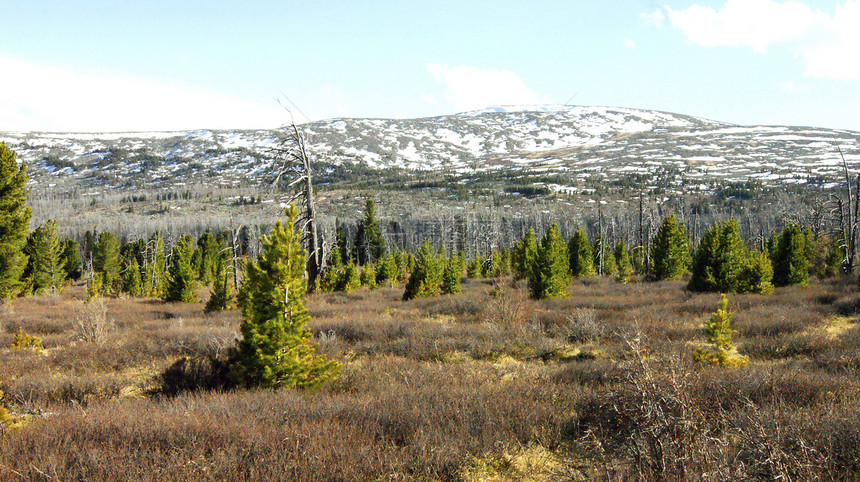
{"points": [[180, 275], [579, 255], [44, 271], [670, 252], [14, 222], [106, 260], [549, 273], [369, 245], [275, 349]]}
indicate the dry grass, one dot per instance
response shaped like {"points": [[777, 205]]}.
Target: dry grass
{"points": [[483, 385]]}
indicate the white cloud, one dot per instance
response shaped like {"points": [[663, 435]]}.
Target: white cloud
{"points": [[827, 43], [754, 23], [48, 98], [629, 44], [471, 88], [657, 17]]}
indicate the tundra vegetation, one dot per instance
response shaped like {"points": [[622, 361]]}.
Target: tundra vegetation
{"points": [[715, 355]]}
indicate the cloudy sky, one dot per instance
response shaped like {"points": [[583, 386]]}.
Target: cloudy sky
{"points": [[164, 65]]}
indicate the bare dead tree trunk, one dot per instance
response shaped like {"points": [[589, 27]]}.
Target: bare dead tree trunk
{"points": [[297, 164]]}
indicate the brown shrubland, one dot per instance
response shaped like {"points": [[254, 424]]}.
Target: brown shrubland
{"points": [[486, 384]]}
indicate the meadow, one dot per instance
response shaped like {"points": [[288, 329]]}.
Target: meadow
{"points": [[483, 385]]}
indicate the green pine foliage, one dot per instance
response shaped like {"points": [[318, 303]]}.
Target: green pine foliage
{"points": [[523, 255], [349, 279], [451, 275], [580, 257], [791, 258], [72, 259], [623, 263], [501, 264], [94, 286], [610, 266], [44, 270], [475, 269], [720, 259], [219, 295], [180, 274], [833, 261], [670, 254], [426, 276], [333, 272], [386, 272], [132, 284], [549, 274], [106, 260], [367, 276], [718, 330], [207, 250], [275, 349], [757, 274], [14, 222], [369, 245]]}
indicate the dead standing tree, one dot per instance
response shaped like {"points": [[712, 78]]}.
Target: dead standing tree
{"points": [[295, 174], [846, 212]]}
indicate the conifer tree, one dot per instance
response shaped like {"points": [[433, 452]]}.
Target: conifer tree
{"points": [[275, 350], [757, 274], [610, 267], [386, 272], [180, 275], [622, 260], [719, 260], [451, 275], [549, 274], [131, 280], [106, 260], [208, 248], [349, 279], [670, 254], [476, 267], [367, 276], [790, 261], [579, 254], [426, 277], [334, 270], [44, 270], [72, 259], [369, 245], [14, 222], [523, 255], [833, 261], [219, 295], [500, 265]]}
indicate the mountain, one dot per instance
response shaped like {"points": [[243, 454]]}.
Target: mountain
{"points": [[560, 147]]}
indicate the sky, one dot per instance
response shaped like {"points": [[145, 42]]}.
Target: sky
{"points": [[124, 65]]}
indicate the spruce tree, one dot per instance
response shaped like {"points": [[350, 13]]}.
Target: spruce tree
{"points": [[757, 274], [44, 270], [426, 278], [451, 275], [180, 275], [610, 267], [579, 255], [386, 272], [349, 279], [622, 260], [367, 276], [369, 245], [131, 280], [670, 253], [790, 261], [476, 267], [720, 259], [333, 272], [549, 273], [833, 261], [14, 222], [72, 259], [219, 295], [106, 260], [523, 255], [275, 349]]}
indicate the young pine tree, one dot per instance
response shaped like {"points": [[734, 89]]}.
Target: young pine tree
{"points": [[670, 254], [386, 272], [180, 275], [369, 245], [451, 275], [720, 260], [275, 349], [132, 284], [790, 261], [14, 222], [44, 270], [549, 273], [72, 259], [718, 329], [219, 295], [426, 277], [367, 276], [523, 255], [622, 260], [579, 255], [106, 260]]}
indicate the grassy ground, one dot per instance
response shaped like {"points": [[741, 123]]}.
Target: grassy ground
{"points": [[484, 385]]}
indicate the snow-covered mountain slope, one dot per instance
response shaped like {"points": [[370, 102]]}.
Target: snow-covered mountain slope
{"points": [[570, 142]]}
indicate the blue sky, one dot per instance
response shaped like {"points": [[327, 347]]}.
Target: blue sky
{"points": [[165, 65]]}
